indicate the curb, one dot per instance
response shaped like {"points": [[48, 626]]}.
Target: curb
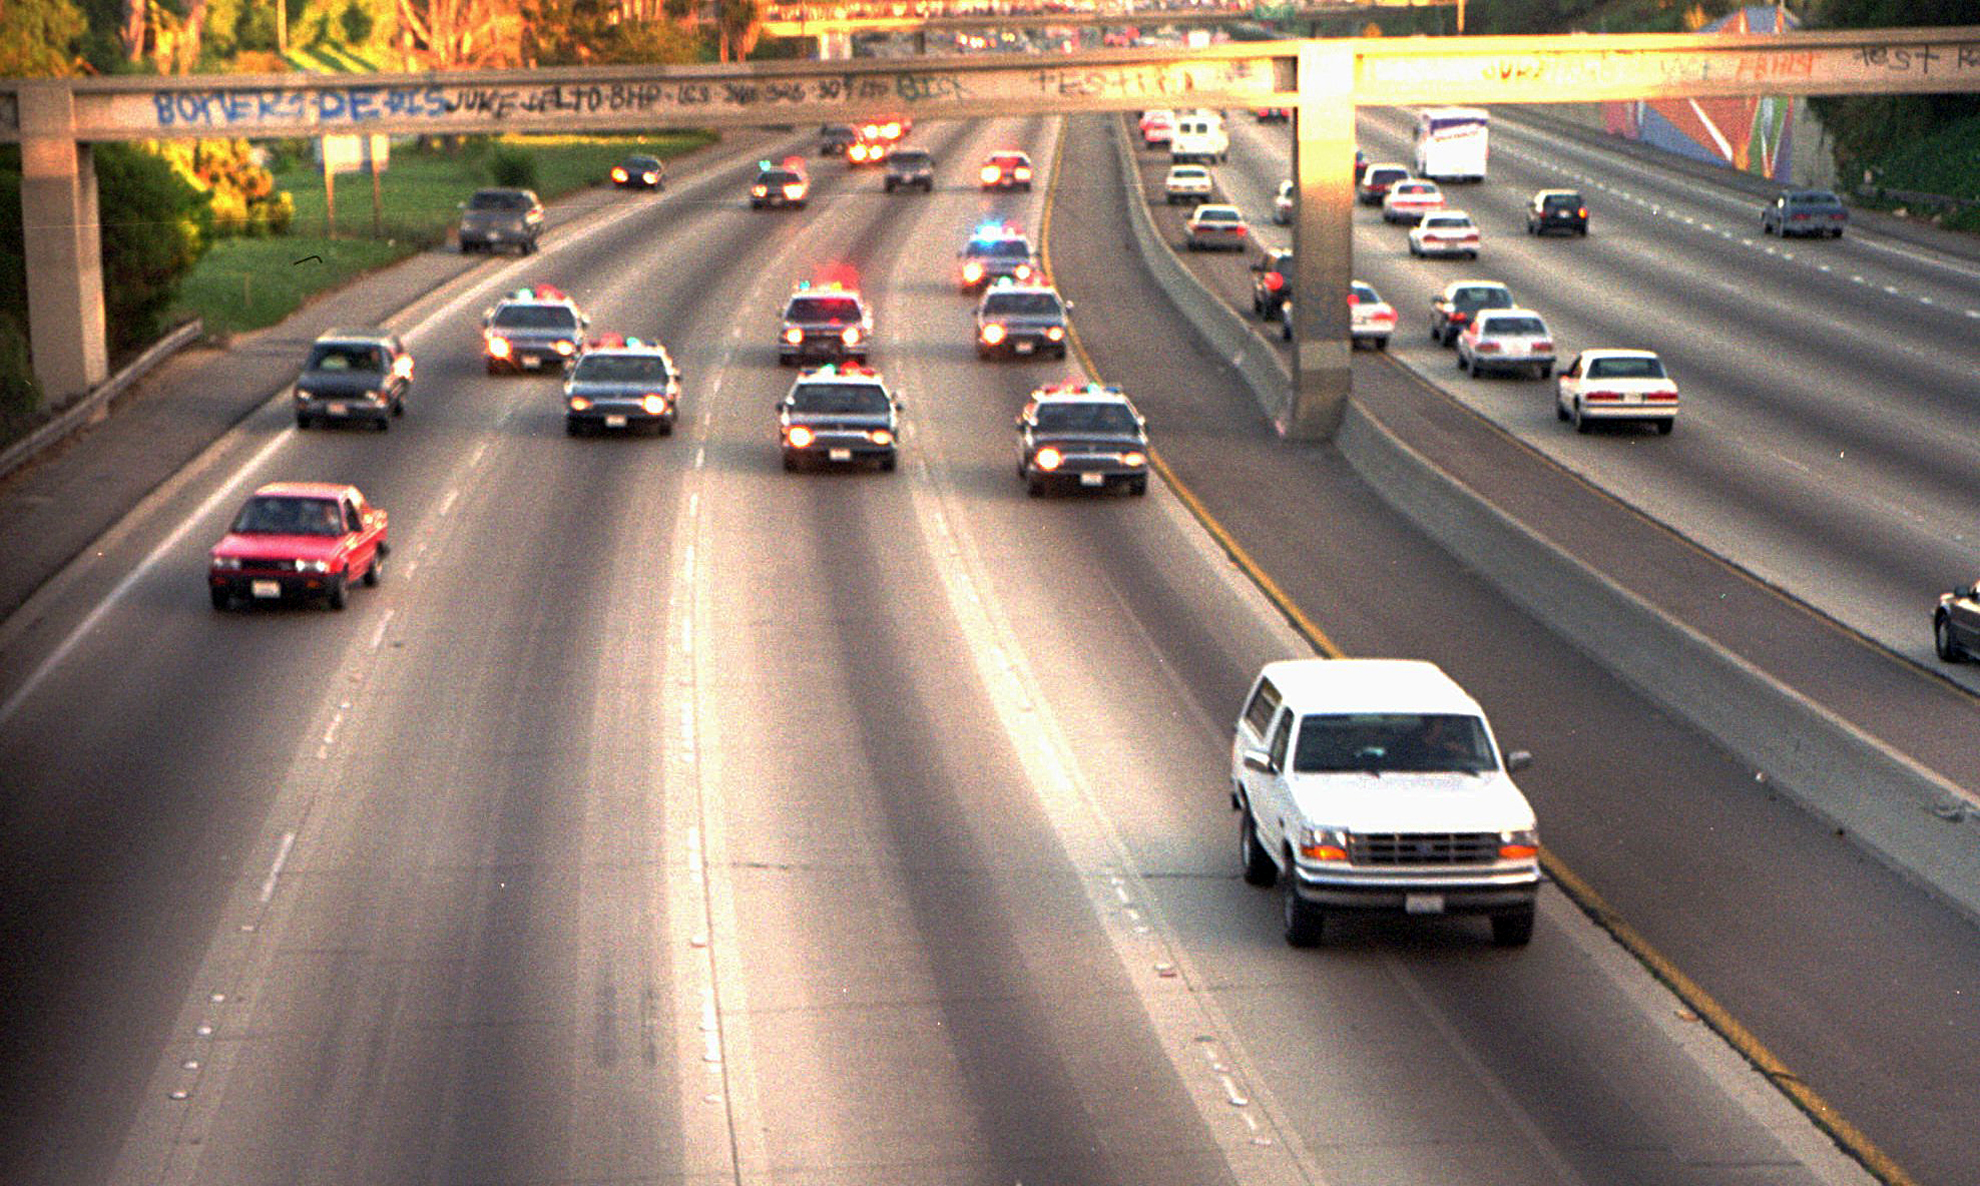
{"points": [[94, 406], [1905, 815]]}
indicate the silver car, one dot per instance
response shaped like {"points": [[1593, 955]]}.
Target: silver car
{"points": [[1506, 340], [501, 217]]}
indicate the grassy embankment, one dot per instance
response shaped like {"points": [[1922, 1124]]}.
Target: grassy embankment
{"points": [[243, 284]]}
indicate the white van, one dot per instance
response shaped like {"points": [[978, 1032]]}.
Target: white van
{"points": [[1375, 785], [1452, 143], [1199, 138]]}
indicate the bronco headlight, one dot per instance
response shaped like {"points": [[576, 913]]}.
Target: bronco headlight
{"points": [[1323, 844], [1520, 845]]}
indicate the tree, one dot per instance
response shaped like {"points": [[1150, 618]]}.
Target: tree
{"points": [[39, 38], [739, 25], [155, 228], [451, 34]]}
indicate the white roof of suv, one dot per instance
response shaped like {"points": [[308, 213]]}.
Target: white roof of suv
{"points": [[1327, 686]]}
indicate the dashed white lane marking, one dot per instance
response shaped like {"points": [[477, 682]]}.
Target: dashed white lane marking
{"points": [[480, 451], [378, 635], [275, 870], [1891, 289], [447, 503], [700, 455]]}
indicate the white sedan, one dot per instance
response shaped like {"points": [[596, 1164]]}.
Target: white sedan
{"points": [[1616, 385], [1370, 318], [1447, 232], [1189, 183], [1506, 340], [1219, 227], [1408, 201], [1282, 204]]}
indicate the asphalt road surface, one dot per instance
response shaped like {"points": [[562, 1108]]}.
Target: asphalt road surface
{"points": [[665, 816]]}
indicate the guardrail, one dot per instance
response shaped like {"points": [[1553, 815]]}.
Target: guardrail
{"points": [[91, 406]]}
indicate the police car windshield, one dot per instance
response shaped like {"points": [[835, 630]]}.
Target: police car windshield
{"points": [[778, 177], [1021, 303], [536, 317], [999, 248], [1110, 418], [1381, 743], [1625, 368], [341, 356], [839, 397], [498, 199], [912, 156], [837, 310], [619, 368], [290, 516]]}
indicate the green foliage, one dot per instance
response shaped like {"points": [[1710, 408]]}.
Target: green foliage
{"points": [[579, 32], [40, 38], [513, 166], [241, 192], [19, 396], [357, 23], [1871, 132], [155, 227]]}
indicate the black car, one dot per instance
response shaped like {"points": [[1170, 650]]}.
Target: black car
{"points": [[1016, 319], [1084, 436], [532, 329], [1805, 212], [1271, 283], [622, 383], [352, 375], [1452, 309], [831, 322], [834, 139], [839, 415], [496, 217], [1557, 210], [993, 255], [910, 167], [1956, 624], [640, 172], [778, 186]]}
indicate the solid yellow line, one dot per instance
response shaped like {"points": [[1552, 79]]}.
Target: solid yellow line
{"points": [[1851, 1139]]}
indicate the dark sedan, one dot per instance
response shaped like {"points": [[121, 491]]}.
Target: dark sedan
{"points": [[1805, 212], [1956, 624], [1088, 437], [352, 375]]}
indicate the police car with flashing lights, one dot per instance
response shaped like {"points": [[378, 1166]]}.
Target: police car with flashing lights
{"points": [[780, 185], [1082, 435], [824, 321], [839, 414], [530, 329], [1016, 319], [621, 382], [996, 251], [640, 172]]}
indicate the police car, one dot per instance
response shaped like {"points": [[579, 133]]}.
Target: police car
{"points": [[828, 321], [1082, 435], [621, 382], [530, 329], [994, 252], [839, 414], [780, 185], [1019, 319]]}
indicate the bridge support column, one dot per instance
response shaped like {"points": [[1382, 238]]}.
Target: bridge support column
{"points": [[64, 246], [1323, 234]]}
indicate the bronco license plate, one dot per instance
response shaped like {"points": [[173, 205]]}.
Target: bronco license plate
{"points": [[1423, 903]]}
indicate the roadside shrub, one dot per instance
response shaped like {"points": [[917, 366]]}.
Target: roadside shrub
{"points": [[512, 166], [156, 225], [242, 193]]}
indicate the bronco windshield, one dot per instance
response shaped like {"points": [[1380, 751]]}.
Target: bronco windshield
{"points": [[1384, 743]]}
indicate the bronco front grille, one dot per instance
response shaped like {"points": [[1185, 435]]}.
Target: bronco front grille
{"points": [[1423, 848]]}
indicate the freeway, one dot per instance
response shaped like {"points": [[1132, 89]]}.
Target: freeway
{"points": [[668, 817], [1831, 422]]}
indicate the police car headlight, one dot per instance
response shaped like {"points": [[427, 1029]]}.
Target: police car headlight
{"points": [[1023, 272], [990, 174], [972, 271], [799, 436], [881, 436], [1048, 458], [650, 177], [1136, 460], [654, 404], [564, 348], [618, 174], [794, 335], [580, 403], [793, 192], [993, 333], [498, 347], [1022, 173], [760, 191], [1054, 332], [851, 335]]}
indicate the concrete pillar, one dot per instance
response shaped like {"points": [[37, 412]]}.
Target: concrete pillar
{"points": [[1323, 241], [835, 47], [63, 244]]}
